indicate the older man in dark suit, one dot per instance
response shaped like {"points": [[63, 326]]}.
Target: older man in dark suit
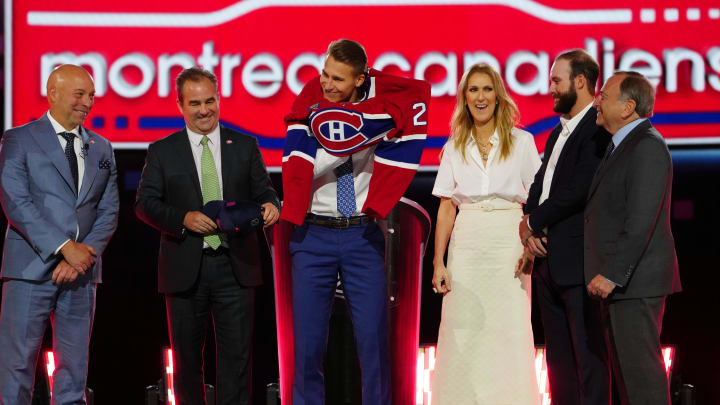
{"points": [[203, 272], [630, 260], [59, 192]]}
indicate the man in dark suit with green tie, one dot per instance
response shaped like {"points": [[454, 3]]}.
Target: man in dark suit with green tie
{"points": [[202, 272]]}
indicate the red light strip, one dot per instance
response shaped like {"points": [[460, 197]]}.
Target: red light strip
{"points": [[668, 356], [541, 375], [50, 366], [169, 373], [426, 368]]}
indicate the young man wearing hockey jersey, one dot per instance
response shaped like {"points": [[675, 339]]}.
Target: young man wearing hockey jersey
{"points": [[354, 141]]}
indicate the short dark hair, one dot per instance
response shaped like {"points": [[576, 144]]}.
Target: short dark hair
{"points": [[581, 63], [194, 74], [349, 52], [638, 88]]}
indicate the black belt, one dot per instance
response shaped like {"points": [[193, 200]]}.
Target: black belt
{"points": [[338, 222], [221, 250]]}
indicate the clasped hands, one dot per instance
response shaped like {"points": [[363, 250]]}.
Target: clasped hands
{"points": [[533, 241], [598, 287], [77, 259], [534, 247]]}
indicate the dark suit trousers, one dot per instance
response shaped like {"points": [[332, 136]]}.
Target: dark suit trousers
{"points": [[216, 293], [578, 370], [632, 329]]}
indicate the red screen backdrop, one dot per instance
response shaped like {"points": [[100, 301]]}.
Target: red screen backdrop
{"points": [[263, 52]]}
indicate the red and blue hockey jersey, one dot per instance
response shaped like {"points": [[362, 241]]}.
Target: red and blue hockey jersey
{"points": [[393, 116]]}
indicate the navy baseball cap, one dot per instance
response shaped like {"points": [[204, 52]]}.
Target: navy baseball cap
{"points": [[235, 217]]}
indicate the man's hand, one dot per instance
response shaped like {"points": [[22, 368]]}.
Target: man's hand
{"points": [[441, 280], [64, 273], [78, 255], [525, 263], [198, 222], [270, 213], [524, 229], [536, 247], [600, 287]]}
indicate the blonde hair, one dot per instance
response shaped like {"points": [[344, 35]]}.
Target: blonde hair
{"points": [[506, 112]]}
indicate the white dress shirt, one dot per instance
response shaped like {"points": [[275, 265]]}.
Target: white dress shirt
{"points": [[472, 181], [79, 152], [568, 126], [324, 184]]}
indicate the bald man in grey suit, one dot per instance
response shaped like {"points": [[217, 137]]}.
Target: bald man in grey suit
{"points": [[59, 192]]}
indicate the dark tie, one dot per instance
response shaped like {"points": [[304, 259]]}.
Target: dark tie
{"points": [[608, 152], [70, 155], [610, 149]]}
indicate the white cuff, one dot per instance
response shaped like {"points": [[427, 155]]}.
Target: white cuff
{"points": [[57, 251]]}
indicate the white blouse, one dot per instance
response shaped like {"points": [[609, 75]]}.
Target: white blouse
{"points": [[470, 181]]}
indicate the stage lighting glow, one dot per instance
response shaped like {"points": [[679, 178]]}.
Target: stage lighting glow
{"points": [[668, 356], [50, 365], [169, 373], [541, 375], [426, 368]]}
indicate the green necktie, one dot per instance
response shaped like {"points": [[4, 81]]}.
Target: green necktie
{"points": [[210, 185]]}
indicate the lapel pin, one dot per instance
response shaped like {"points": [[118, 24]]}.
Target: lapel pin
{"points": [[229, 141], [92, 141]]}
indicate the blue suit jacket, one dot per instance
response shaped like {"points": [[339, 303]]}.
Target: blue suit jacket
{"points": [[42, 204]]}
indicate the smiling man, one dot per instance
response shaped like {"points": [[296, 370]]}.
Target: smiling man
{"points": [[630, 261], [59, 193], [552, 229], [204, 273], [354, 141]]}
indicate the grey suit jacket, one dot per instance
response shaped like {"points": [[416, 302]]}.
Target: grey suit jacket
{"points": [[627, 218], [41, 202]]}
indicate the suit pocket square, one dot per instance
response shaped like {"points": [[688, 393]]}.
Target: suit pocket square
{"points": [[104, 164]]}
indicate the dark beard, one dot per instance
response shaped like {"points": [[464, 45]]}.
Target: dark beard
{"points": [[566, 101]]}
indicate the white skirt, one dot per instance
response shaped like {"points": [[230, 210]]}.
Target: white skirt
{"points": [[485, 352]]}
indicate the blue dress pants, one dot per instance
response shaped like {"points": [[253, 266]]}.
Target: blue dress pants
{"points": [[27, 306], [357, 254]]}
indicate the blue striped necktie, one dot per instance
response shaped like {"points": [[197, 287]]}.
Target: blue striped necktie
{"points": [[345, 188]]}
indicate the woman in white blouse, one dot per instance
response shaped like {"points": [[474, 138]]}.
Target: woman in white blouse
{"points": [[485, 352]]}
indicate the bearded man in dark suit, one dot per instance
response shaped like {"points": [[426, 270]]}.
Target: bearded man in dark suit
{"points": [[552, 230]]}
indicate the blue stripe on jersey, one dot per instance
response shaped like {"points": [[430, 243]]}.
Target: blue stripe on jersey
{"points": [[298, 140], [408, 151]]}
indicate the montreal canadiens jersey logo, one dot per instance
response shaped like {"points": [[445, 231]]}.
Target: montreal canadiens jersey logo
{"points": [[338, 130]]}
